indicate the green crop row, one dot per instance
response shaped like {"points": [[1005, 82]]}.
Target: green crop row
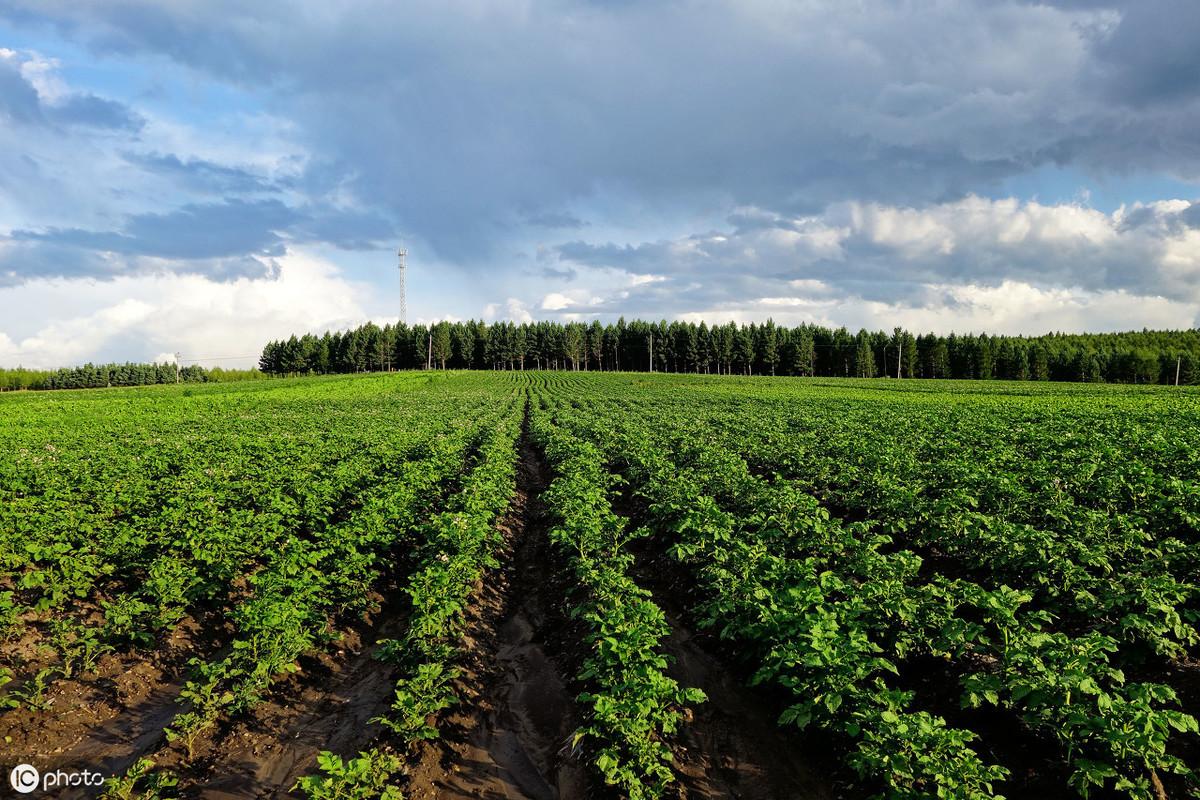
{"points": [[229, 504], [456, 547], [632, 705]]}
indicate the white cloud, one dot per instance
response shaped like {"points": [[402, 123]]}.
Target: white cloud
{"points": [[144, 317], [1009, 308], [556, 301], [513, 310], [972, 264], [1016, 307], [943, 228], [517, 312], [642, 280], [41, 72], [888, 253]]}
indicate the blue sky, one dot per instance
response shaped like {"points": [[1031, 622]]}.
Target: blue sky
{"points": [[199, 176]]}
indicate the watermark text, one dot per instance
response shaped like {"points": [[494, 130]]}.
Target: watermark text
{"points": [[26, 778]]}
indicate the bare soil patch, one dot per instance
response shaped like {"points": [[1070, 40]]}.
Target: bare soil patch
{"points": [[106, 719], [510, 737], [327, 705]]}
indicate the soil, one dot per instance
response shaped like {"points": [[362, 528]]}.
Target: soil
{"points": [[514, 742], [327, 705], [511, 735], [511, 738], [733, 748], [104, 720]]}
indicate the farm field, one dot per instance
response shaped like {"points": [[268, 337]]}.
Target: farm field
{"points": [[597, 585]]}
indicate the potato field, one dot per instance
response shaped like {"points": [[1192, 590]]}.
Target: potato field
{"points": [[603, 585]]}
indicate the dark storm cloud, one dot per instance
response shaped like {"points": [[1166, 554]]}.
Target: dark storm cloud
{"points": [[471, 126], [223, 240], [446, 117], [231, 228], [95, 112], [1154, 54], [26, 259], [21, 261], [635, 258], [201, 174], [559, 273], [346, 229], [19, 101]]}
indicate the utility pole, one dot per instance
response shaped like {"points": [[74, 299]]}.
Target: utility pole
{"points": [[1177, 360], [403, 254], [177, 370], [899, 358], [429, 357], [652, 351]]}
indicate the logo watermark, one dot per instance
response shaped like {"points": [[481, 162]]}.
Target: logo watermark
{"points": [[26, 778]]}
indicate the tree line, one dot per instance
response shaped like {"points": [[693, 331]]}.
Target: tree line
{"points": [[755, 349], [99, 376]]}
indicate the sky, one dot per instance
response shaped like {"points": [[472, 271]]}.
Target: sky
{"points": [[201, 176]]}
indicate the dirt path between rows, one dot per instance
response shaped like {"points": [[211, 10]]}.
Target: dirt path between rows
{"points": [[105, 720], [327, 706], [510, 736], [733, 747]]}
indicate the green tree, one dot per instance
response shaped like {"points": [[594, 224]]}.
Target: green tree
{"points": [[770, 345], [864, 358], [441, 343]]}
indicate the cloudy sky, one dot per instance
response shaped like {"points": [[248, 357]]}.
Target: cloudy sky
{"points": [[198, 176]]}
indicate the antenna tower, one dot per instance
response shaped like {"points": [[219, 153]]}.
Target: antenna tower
{"points": [[403, 254]]}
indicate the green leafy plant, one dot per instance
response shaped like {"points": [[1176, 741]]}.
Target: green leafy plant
{"points": [[141, 783], [367, 777], [32, 693]]}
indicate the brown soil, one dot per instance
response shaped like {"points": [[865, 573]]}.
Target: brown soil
{"points": [[733, 747], [106, 719], [327, 705], [510, 737]]}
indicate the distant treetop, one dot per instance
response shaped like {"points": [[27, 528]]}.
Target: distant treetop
{"points": [[755, 349]]}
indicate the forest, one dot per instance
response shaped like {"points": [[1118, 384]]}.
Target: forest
{"points": [[1146, 357], [101, 376]]}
